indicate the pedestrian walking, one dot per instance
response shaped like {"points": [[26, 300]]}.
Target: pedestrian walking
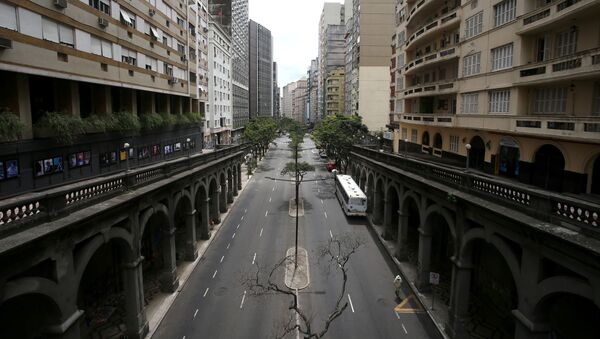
{"points": [[397, 285]]}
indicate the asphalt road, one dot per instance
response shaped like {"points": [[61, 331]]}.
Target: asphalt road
{"points": [[214, 303]]}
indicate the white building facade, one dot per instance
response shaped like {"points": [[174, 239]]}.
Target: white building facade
{"points": [[219, 113]]}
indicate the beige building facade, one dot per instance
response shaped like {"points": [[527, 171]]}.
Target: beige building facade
{"points": [[334, 92], [513, 84], [84, 58]]}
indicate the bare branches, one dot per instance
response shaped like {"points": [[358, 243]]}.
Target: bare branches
{"points": [[335, 255]]}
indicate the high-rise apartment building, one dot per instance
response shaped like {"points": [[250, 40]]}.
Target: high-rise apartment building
{"points": [[331, 46], [299, 100], [233, 16], [513, 85], [276, 94], [260, 57], [368, 61], [334, 91], [219, 109], [200, 12], [312, 89], [287, 99]]}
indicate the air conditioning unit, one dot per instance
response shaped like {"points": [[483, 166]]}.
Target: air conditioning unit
{"points": [[205, 29], [60, 3], [151, 12], [172, 80], [5, 43], [102, 22]]}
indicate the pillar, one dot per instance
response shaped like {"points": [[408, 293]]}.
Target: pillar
{"points": [[424, 263], [239, 175], [230, 190], [203, 219], [214, 208], [135, 317], [147, 103], [377, 210], [526, 324], [387, 219], [102, 100], [458, 311], [190, 251], [23, 106], [168, 277], [223, 199], [402, 243], [128, 101]]}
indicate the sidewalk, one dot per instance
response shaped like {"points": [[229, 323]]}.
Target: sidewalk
{"points": [[158, 307], [439, 314]]}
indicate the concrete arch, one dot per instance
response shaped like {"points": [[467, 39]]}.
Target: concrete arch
{"points": [[392, 184], [562, 284], [89, 249], [34, 285], [444, 213], [184, 193], [147, 214], [410, 195], [558, 146], [480, 233], [200, 184]]}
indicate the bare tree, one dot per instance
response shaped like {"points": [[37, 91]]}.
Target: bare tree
{"points": [[334, 255]]}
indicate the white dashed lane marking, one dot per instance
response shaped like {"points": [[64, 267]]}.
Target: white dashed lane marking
{"points": [[352, 306], [223, 257], [204, 296], [195, 313], [254, 258], [261, 230], [215, 274]]}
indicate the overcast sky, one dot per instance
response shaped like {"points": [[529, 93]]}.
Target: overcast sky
{"points": [[294, 26]]}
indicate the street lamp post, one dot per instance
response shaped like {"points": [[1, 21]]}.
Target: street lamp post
{"points": [[468, 147], [188, 146], [405, 145], [126, 147]]}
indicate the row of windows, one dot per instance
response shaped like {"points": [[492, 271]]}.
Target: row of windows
{"points": [[548, 100], [504, 12]]}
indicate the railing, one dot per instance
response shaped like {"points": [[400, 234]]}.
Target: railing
{"points": [[30, 209], [432, 25], [579, 63], [550, 10], [427, 59], [543, 205], [430, 87]]}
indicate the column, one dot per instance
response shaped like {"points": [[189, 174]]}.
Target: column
{"points": [[190, 251], [526, 324], [102, 100], [402, 243], [235, 183], [168, 277], [230, 190], [147, 102], [424, 262], [135, 317], [223, 199], [387, 220], [215, 215], [377, 210], [239, 175], [23, 104], [458, 310], [203, 219]]}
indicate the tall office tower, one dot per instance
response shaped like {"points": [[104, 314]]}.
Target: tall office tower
{"points": [[368, 46], [201, 52], [351, 51], [233, 15], [260, 59], [219, 112], [276, 94], [287, 99], [312, 89], [513, 85], [331, 46], [299, 96]]}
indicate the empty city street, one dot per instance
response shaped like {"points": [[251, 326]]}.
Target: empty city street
{"points": [[213, 303]]}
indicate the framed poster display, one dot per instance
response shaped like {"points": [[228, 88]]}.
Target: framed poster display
{"points": [[155, 150], [177, 147], [48, 166], [12, 168]]}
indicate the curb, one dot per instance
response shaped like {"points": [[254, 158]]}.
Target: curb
{"points": [[410, 284]]}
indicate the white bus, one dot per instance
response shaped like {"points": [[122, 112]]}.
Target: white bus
{"points": [[352, 199]]}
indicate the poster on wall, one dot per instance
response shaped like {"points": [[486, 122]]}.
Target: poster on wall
{"points": [[167, 149], [47, 166], [12, 168], [155, 150], [131, 153], [113, 157], [79, 159], [122, 155], [2, 175], [177, 147]]}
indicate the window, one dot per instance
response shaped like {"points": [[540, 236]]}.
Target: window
{"points": [[596, 108], [401, 38], [504, 12], [413, 135], [454, 143], [151, 64], [550, 100], [472, 64], [499, 101], [502, 57], [127, 18], [128, 56], [470, 103], [154, 32], [473, 4], [180, 48], [167, 40], [474, 25], [101, 5], [168, 69], [55, 32], [180, 22], [101, 47], [404, 133], [8, 16], [400, 60], [566, 42]]}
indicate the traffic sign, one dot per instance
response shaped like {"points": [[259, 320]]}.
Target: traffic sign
{"points": [[434, 278]]}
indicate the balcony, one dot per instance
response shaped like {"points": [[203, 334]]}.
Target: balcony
{"points": [[584, 129], [432, 88], [431, 58], [555, 14], [427, 31], [578, 65]]}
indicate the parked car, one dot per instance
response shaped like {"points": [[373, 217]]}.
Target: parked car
{"points": [[331, 166]]}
